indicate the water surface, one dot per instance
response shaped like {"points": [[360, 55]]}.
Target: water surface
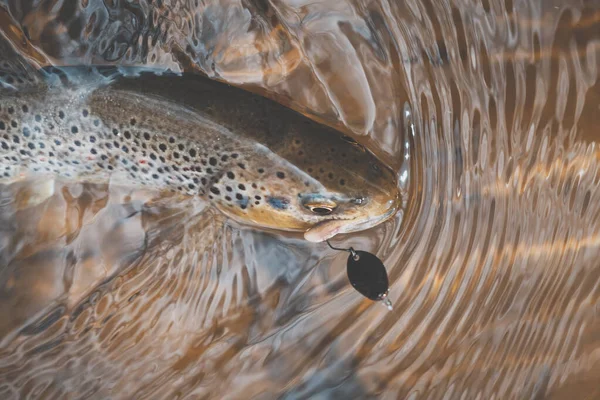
{"points": [[489, 112]]}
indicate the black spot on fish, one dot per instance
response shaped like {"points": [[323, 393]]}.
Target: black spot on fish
{"points": [[212, 161], [31, 145], [230, 175], [162, 147], [280, 203], [280, 175], [13, 123], [85, 113], [215, 190], [38, 118], [224, 158], [11, 110], [242, 166], [192, 152], [146, 136], [228, 188], [242, 201], [241, 186], [74, 129], [26, 132], [342, 182], [127, 134], [61, 114], [132, 121], [2, 125], [25, 108]]}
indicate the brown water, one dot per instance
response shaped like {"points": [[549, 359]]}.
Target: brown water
{"points": [[490, 113]]}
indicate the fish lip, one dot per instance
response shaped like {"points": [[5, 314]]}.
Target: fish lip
{"points": [[370, 222], [320, 233]]}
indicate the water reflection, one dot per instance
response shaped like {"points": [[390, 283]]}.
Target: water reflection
{"points": [[489, 113]]}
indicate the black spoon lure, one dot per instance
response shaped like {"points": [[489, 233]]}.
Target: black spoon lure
{"points": [[367, 275]]}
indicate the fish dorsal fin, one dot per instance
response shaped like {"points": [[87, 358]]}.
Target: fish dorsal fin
{"points": [[16, 72], [19, 72]]}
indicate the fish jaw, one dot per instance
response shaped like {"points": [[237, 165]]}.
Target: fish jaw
{"points": [[327, 229]]}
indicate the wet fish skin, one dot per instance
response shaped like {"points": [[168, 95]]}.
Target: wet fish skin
{"points": [[255, 160]]}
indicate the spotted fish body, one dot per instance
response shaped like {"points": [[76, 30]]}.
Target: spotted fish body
{"points": [[253, 159]]}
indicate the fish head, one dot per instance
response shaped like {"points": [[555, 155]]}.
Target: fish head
{"points": [[362, 193], [316, 193]]}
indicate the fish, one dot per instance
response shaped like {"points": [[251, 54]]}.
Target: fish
{"points": [[257, 161]]}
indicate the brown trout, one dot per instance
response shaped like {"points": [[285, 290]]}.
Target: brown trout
{"points": [[257, 161]]}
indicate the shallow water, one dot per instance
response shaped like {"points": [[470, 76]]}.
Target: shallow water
{"points": [[489, 111]]}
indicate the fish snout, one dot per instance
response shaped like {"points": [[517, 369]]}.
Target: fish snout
{"points": [[372, 212]]}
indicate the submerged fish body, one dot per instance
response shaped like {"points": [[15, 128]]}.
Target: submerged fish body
{"points": [[255, 160]]}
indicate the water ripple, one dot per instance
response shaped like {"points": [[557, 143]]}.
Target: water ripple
{"points": [[489, 112]]}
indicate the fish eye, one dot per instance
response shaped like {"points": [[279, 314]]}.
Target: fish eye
{"points": [[321, 210], [349, 139], [319, 205], [353, 142]]}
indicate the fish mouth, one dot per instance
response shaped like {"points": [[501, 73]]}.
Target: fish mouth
{"points": [[327, 229]]}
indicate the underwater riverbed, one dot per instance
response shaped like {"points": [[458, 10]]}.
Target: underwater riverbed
{"points": [[489, 113]]}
